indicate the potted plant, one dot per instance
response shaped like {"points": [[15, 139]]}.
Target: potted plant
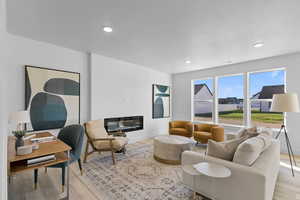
{"points": [[19, 135]]}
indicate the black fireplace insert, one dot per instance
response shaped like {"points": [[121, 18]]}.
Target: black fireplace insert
{"points": [[124, 124]]}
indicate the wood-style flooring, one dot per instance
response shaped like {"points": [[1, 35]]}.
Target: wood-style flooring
{"points": [[49, 187]]}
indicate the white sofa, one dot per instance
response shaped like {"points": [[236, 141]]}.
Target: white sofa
{"points": [[245, 183]]}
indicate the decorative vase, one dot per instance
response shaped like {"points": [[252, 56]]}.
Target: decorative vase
{"points": [[19, 142]]}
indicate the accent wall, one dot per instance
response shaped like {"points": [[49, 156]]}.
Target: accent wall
{"points": [[120, 89]]}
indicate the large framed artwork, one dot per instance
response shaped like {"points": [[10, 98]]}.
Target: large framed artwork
{"points": [[160, 101], [52, 98]]}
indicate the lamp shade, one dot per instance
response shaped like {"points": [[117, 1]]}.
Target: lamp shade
{"points": [[20, 117], [287, 102]]}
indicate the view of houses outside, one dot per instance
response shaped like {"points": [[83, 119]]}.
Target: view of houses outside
{"points": [[203, 100], [262, 86], [230, 99]]}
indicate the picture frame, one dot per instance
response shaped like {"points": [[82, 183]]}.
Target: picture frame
{"points": [[160, 101], [52, 98]]}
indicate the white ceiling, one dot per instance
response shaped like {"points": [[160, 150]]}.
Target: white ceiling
{"points": [[162, 34]]}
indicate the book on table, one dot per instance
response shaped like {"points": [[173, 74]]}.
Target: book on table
{"points": [[41, 160]]}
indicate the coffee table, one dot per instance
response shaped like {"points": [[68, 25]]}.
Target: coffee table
{"points": [[207, 169], [168, 148]]}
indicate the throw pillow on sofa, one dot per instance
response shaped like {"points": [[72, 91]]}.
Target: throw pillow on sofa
{"points": [[265, 130], [247, 132], [223, 150], [248, 151]]}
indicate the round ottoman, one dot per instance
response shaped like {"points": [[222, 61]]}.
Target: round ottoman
{"points": [[168, 148]]}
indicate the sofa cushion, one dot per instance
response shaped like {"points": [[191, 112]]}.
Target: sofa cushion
{"points": [[223, 150], [247, 132], [95, 129], [202, 134], [248, 151], [178, 130], [117, 144]]}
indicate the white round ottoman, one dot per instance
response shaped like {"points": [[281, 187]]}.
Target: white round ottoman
{"points": [[168, 148]]}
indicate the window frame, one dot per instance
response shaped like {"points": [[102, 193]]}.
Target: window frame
{"points": [[266, 100], [246, 97]]}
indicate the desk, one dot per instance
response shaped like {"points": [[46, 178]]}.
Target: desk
{"points": [[17, 164]]}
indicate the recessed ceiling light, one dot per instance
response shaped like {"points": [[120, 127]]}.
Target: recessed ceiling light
{"points": [[107, 29], [187, 62], [258, 44]]}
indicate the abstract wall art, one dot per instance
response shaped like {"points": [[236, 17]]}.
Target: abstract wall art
{"points": [[52, 98], [160, 101]]}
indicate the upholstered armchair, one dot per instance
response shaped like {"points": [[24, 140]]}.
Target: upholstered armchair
{"points": [[204, 132], [182, 128], [73, 136], [100, 141]]}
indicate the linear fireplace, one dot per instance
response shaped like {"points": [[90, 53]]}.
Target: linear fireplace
{"points": [[124, 124]]}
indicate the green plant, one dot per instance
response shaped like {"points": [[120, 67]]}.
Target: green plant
{"points": [[19, 134]]}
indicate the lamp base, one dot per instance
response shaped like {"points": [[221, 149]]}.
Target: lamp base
{"points": [[289, 148]]}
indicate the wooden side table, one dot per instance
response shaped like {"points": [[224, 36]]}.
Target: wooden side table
{"points": [[18, 164], [207, 169]]}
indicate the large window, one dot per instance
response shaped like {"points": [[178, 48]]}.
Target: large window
{"points": [[263, 85], [234, 100], [230, 100], [203, 100]]}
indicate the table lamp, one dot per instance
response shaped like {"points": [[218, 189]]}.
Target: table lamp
{"points": [[20, 118], [287, 102]]}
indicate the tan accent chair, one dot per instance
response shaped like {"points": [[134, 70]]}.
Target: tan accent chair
{"points": [[182, 128], [204, 132], [100, 141]]}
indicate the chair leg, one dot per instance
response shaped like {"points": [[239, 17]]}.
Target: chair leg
{"points": [[86, 151], [113, 157], [63, 173], [80, 167], [36, 172], [46, 170]]}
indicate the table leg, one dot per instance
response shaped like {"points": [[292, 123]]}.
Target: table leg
{"points": [[68, 175], [195, 194]]}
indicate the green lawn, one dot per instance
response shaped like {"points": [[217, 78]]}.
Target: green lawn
{"points": [[256, 116]]}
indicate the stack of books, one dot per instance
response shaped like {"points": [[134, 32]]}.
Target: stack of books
{"points": [[41, 160]]}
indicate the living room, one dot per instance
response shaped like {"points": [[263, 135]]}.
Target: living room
{"points": [[132, 59]]}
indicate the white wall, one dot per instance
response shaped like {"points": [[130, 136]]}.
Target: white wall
{"points": [[24, 51], [3, 141], [17, 52], [181, 83], [123, 89]]}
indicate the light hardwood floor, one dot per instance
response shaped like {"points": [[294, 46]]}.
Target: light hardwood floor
{"points": [[21, 187], [49, 186]]}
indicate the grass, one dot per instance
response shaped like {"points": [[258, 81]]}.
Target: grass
{"points": [[270, 117]]}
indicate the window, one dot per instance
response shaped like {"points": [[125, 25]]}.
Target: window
{"points": [[263, 85], [203, 100], [224, 102], [230, 100]]}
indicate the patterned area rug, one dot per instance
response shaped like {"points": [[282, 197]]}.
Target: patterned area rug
{"points": [[137, 176]]}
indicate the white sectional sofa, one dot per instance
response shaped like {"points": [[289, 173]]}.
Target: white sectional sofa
{"points": [[256, 182]]}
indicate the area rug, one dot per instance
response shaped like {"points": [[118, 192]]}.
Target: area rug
{"points": [[137, 176]]}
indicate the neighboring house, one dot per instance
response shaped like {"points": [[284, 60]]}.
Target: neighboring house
{"points": [[203, 99], [264, 97]]}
